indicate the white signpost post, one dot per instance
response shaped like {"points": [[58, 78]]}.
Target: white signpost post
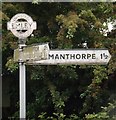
{"points": [[22, 26]]}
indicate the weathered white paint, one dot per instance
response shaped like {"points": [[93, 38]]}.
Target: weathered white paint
{"points": [[32, 53], [22, 88], [80, 56], [23, 28]]}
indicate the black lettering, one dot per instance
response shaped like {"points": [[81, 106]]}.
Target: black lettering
{"points": [[78, 56], [62, 56], [25, 26], [18, 26], [88, 56], [51, 56], [30, 25], [72, 56], [83, 56], [93, 56], [56, 57], [67, 55], [13, 26]]}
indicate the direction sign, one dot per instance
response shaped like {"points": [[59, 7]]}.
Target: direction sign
{"points": [[80, 56], [32, 53]]}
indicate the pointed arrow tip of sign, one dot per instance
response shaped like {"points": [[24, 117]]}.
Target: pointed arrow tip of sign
{"points": [[109, 56]]}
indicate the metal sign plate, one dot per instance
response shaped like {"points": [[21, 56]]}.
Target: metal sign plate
{"points": [[80, 56], [32, 53], [21, 25]]}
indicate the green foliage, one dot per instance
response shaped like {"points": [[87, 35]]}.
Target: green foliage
{"points": [[64, 92], [69, 23], [100, 74], [11, 66], [34, 40], [58, 100], [100, 116], [105, 114], [88, 16], [93, 93]]}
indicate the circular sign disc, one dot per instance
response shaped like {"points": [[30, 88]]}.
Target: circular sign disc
{"points": [[21, 25]]}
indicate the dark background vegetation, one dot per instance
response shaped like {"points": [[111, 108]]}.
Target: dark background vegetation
{"points": [[59, 92]]}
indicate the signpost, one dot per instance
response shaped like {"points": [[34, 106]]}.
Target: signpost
{"points": [[80, 56], [22, 26]]}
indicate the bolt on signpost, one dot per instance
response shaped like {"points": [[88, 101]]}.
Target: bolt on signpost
{"points": [[22, 29]]}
